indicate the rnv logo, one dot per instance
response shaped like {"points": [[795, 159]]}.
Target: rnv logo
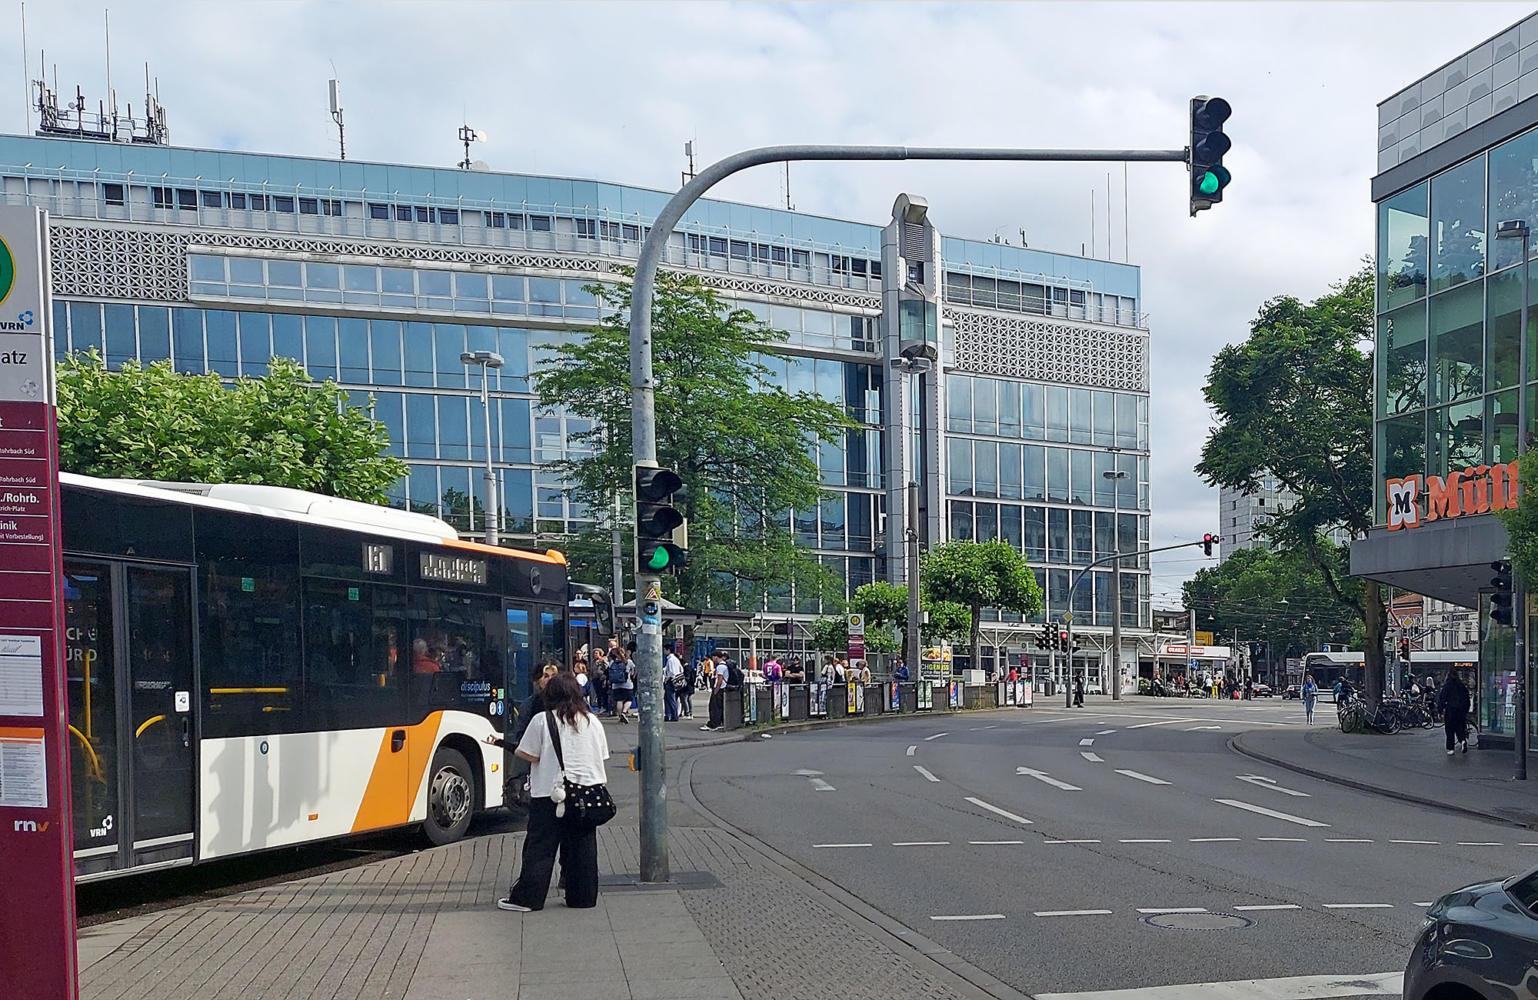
{"points": [[29, 826]]}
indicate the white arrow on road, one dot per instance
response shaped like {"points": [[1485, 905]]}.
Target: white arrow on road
{"points": [[1261, 781], [1044, 776]]}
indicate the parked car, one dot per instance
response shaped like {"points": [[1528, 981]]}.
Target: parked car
{"points": [[1292, 691], [1259, 690], [1479, 941]]}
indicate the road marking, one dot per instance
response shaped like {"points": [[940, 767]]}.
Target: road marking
{"points": [[1358, 906], [1172, 909], [1214, 840], [1478, 843], [1263, 811], [1346, 840], [1092, 757], [1142, 842], [1087, 741], [1166, 722], [1046, 778], [921, 843], [997, 811], [1283, 988], [1428, 843], [1285, 840], [1261, 781], [911, 748], [1105, 732], [935, 736], [1269, 906], [970, 916], [1196, 729], [1420, 904], [1142, 777], [822, 786], [925, 772], [1070, 842], [993, 843], [1072, 913], [840, 845], [804, 773]]}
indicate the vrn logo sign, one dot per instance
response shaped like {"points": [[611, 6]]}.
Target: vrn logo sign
{"points": [[18, 325], [29, 826]]}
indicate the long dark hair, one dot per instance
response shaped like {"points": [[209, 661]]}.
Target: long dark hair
{"points": [[563, 696]]}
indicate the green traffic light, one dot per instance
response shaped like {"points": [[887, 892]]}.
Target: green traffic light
{"points": [[659, 558], [1209, 183]]}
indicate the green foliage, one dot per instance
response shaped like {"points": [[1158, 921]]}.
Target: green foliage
{"points": [[281, 429], [743, 446], [885, 607], [1245, 592], [830, 635], [1522, 522], [979, 575], [1294, 402]]}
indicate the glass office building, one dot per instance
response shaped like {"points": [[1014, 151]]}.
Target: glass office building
{"points": [[380, 275], [1458, 155]]}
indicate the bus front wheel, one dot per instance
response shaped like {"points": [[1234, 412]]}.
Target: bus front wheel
{"points": [[450, 797]]}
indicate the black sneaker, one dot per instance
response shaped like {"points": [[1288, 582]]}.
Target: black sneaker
{"points": [[508, 904]]}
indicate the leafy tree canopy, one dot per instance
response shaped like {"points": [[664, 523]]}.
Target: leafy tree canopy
{"points": [[1294, 402], [885, 606], [744, 446], [979, 575], [279, 429], [1277, 598], [1522, 521]]}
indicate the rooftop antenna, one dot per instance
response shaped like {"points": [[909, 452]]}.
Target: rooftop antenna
{"points": [[336, 116], [468, 135], [106, 20], [26, 73], [789, 206], [688, 175]]}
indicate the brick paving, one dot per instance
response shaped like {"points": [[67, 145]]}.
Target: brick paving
{"points": [[423, 927]]}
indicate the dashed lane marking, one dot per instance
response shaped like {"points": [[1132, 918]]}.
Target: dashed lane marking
{"points": [[1263, 811], [993, 843], [1195, 729], [1070, 841], [921, 843], [1420, 904], [832, 846], [1105, 732], [822, 786], [1427, 843], [1268, 906], [1214, 840], [1165, 722], [1261, 781], [1072, 913], [1172, 909], [1146, 840], [1087, 741], [1047, 779], [912, 748], [935, 736], [1478, 843], [925, 772], [1142, 777], [1284, 840], [969, 916], [1092, 757], [1358, 906], [1283, 988], [997, 811], [1346, 840]]}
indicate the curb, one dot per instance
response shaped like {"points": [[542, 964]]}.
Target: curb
{"points": [[1235, 744], [900, 935]]}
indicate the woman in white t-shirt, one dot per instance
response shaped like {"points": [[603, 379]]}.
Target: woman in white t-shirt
{"points": [[584, 748]]}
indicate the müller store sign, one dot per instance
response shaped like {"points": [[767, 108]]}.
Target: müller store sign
{"points": [[1479, 490]]}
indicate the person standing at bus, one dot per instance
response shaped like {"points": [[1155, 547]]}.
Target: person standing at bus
{"points": [[1454, 701], [584, 748], [621, 682], [1310, 694], [672, 680]]}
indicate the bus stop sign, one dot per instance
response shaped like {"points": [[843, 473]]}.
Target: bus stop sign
{"points": [[37, 922]]}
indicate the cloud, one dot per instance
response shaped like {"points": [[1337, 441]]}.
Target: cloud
{"points": [[611, 91]]}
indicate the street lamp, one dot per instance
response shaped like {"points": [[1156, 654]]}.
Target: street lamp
{"points": [[486, 360], [1517, 229], [914, 361], [1112, 475]]}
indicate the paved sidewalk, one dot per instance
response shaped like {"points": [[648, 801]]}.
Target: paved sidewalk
{"points": [[737, 926], [1412, 765]]}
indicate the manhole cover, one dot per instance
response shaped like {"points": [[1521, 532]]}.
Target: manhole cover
{"points": [[1198, 921]]}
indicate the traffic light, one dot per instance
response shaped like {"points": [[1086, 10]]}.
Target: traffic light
{"points": [[1208, 144], [1404, 650], [656, 519], [1044, 641], [1208, 541], [1500, 601], [1062, 642]]}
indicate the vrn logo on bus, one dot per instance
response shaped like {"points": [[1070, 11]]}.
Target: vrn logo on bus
{"points": [[17, 325]]}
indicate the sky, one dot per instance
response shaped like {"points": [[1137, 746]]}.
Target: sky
{"points": [[612, 91]]}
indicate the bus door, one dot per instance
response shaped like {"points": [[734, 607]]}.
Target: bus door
{"points": [[133, 756]]}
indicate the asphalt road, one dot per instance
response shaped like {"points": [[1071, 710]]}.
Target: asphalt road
{"points": [[1118, 847]]}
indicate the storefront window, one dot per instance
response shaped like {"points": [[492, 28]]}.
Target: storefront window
{"points": [[1457, 344], [1403, 228], [1402, 360]]}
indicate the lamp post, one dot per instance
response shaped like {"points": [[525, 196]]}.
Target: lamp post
{"points": [[486, 360], [913, 362], [1112, 476], [1517, 229]]}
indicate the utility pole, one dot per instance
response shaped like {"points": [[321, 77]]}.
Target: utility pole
{"points": [[912, 651], [1518, 229], [643, 384], [1115, 620]]}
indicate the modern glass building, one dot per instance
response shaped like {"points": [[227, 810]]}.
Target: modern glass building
{"points": [[1031, 427], [1458, 156]]}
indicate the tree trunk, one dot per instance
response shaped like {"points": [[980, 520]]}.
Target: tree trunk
{"points": [[1372, 657], [977, 639]]}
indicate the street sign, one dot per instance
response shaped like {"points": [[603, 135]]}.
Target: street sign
{"points": [[856, 624], [1204, 638], [651, 607], [37, 924]]}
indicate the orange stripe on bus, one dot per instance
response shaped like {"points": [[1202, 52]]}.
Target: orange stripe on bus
{"points": [[552, 556], [397, 776]]}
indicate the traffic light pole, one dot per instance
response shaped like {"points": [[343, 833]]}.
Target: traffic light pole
{"points": [[1519, 585], [654, 823]]}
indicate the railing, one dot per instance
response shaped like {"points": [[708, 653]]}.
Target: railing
{"points": [[767, 703]]}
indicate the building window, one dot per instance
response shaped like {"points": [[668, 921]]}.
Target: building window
{"points": [[238, 201], [258, 202], [212, 199], [448, 216], [495, 220], [539, 223], [186, 199], [586, 227], [283, 203], [309, 206], [112, 194]]}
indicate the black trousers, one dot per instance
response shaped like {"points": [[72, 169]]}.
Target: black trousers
{"points": [[1457, 730], [717, 710], [579, 860]]}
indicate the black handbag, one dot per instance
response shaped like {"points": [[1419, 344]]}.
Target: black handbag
{"points": [[582, 805]]}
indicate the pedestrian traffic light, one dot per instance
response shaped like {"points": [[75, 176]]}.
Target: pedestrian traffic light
{"points": [[656, 519], [1208, 144], [1208, 541], [1500, 600]]}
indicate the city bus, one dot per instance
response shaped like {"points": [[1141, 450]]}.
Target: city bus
{"points": [[252, 667], [1327, 668]]}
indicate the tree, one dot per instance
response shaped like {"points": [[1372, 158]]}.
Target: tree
{"points": [[885, 606], [1294, 402], [980, 575], [1522, 523], [280, 429], [743, 446], [830, 635]]}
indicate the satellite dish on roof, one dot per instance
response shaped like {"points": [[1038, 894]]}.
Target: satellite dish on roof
{"points": [[481, 136], [481, 165]]}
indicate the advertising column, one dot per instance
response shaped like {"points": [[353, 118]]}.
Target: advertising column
{"points": [[37, 922]]}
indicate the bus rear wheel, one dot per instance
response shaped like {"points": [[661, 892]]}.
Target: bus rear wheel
{"points": [[450, 797]]}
